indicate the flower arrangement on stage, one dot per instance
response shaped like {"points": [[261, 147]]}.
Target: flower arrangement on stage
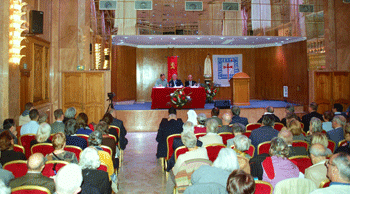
{"points": [[211, 91], [179, 98]]}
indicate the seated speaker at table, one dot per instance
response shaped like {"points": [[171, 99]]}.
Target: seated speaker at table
{"points": [[161, 82], [174, 82], [190, 81]]}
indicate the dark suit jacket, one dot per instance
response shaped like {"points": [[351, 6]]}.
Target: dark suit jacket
{"points": [[216, 118], [238, 119], [283, 121], [165, 129], [344, 148], [11, 155], [122, 136], [225, 128], [95, 181], [178, 83], [276, 119], [336, 135], [193, 83], [294, 151], [256, 166], [76, 141], [33, 179], [262, 134], [307, 118], [176, 144]]}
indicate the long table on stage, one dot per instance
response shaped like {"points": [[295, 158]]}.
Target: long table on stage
{"points": [[161, 97]]}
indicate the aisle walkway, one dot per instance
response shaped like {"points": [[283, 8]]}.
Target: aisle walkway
{"points": [[141, 173]]}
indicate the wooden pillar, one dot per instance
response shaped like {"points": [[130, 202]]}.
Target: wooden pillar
{"points": [[4, 59]]}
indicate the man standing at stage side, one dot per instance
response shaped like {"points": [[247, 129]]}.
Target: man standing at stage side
{"points": [[190, 81], [161, 82], [174, 82]]}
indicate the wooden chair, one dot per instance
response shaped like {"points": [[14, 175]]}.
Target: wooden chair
{"points": [[74, 149], [250, 151], [331, 145], [263, 147], [107, 149], [18, 148], [300, 143], [43, 148], [17, 167], [179, 151], [84, 136], [324, 183], [341, 143], [213, 150], [252, 126], [103, 167], [278, 126], [25, 141], [200, 135], [30, 189], [263, 187], [247, 133], [302, 161], [117, 129], [52, 167], [226, 136]]}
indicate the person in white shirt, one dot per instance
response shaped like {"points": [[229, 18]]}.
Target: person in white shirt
{"points": [[32, 126], [327, 125]]}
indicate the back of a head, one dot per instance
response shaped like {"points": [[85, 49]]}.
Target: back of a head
{"points": [[8, 123], [171, 111], [316, 125], [320, 138], [82, 120], [318, 150], [279, 148], [95, 138], [286, 135], [226, 160], [238, 128], [71, 127], [35, 162], [59, 140], [268, 120], [290, 108], [89, 159], [189, 139], [342, 161], [70, 112], [188, 127], [227, 117], [102, 127], [201, 118], [212, 126], [242, 143], [43, 117], [58, 113], [338, 107], [5, 140], [314, 106], [34, 114], [270, 109], [295, 127], [108, 118], [235, 110], [340, 120], [215, 111], [239, 182], [28, 106], [68, 179], [43, 133], [192, 116], [328, 115]]}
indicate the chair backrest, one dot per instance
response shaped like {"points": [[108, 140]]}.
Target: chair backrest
{"points": [[25, 141], [304, 133], [263, 187], [247, 133], [19, 148], [295, 186], [43, 148], [17, 167], [52, 167], [103, 167], [179, 151], [30, 189], [74, 149], [252, 126], [107, 149], [278, 126], [302, 161], [250, 151], [324, 183], [18, 128], [200, 135], [300, 143], [213, 150], [84, 136], [117, 129], [263, 147], [226, 136], [323, 131], [169, 142], [113, 137], [331, 145], [341, 143]]}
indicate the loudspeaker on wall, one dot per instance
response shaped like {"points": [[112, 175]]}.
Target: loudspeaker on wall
{"points": [[36, 22]]}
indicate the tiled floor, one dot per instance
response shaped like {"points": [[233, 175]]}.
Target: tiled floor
{"points": [[140, 172]]}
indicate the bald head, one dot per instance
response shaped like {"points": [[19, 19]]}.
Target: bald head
{"points": [[35, 162], [286, 135], [226, 118], [317, 153], [270, 109]]}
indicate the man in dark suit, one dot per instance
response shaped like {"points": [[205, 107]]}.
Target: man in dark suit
{"points": [[312, 108], [190, 81], [35, 164], [174, 82], [338, 110], [9, 125], [270, 110], [289, 114], [119, 123], [215, 112], [236, 118], [288, 138], [264, 133], [167, 128], [58, 125], [337, 134]]}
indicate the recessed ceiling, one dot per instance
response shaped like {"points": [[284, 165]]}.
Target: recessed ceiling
{"points": [[173, 41]]}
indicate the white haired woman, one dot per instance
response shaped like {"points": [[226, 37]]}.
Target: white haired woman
{"points": [[242, 143], [94, 181], [42, 135], [217, 174], [200, 128]]}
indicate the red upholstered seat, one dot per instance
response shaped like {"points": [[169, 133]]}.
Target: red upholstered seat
{"points": [[250, 151], [252, 126], [84, 136], [107, 149], [43, 148], [342, 143], [30, 189], [302, 125], [300, 143], [48, 170], [74, 149], [25, 141], [213, 150], [226, 136], [179, 151], [103, 167], [331, 145], [263, 187], [278, 126], [325, 183], [247, 133], [117, 129], [17, 167], [263, 147], [113, 137], [169, 141], [302, 162], [200, 135], [18, 148]]}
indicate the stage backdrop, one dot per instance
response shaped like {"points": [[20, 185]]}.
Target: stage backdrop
{"points": [[225, 67]]}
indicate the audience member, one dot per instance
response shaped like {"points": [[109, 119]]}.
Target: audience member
{"points": [[238, 129], [58, 125], [59, 143], [69, 114], [240, 182], [200, 128], [107, 141], [315, 126], [44, 118], [4, 189], [7, 153], [312, 108], [108, 118], [270, 111], [218, 173], [24, 118], [287, 136], [321, 138], [6, 176], [338, 110], [337, 134], [35, 164], [70, 132], [82, 124], [277, 167], [226, 120], [32, 126], [211, 137], [291, 116], [42, 135], [317, 171], [289, 111], [192, 117], [119, 123], [328, 117], [345, 146], [242, 143], [236, 118], [339, 175], [94, 181], [68, 179], [167, 128], [295, 127], [9, 125], [215, 112], [264, 133]]}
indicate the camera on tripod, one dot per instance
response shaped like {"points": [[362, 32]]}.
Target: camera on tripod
{"points": [[111, 95]]}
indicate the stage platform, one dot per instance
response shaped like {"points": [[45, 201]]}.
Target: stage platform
{"points": [[139, 117]]}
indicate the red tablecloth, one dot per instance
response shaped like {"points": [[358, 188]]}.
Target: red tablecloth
{"points": [[161, 97]]}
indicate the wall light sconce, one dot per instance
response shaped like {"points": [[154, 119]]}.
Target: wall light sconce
{"points": [[15, 30], [97, 56], [106, 58]]}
